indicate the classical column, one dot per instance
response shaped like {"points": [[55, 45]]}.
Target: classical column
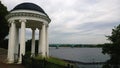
{"points": [[16, 43], [47, 43], [39, 44], [22, 40], [10, 57], [43, 40], [33, 42]]}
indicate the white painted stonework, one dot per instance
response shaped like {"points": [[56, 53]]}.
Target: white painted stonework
{"points": [[22, 19]]}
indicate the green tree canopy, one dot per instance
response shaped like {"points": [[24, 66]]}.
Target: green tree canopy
{"points": [[3, 22], [113, 48], [115, 37], [3, 26]]}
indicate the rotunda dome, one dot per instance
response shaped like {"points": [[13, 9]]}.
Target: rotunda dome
{"points": [[29, 6]]}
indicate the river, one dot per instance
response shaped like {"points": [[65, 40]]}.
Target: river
{"points": [[80, 54]]}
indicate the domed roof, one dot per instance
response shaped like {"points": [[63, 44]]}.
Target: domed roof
{"points": [[28, 6]]}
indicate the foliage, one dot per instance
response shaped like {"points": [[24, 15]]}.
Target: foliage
{"points": [[28, 45], [115, 37], [53, 60], [57, 61], [41, 62], [113, 48], [3, 24], [4, 44], [77, 45]]}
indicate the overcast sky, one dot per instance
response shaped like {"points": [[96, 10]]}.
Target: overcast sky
{"points": [[77, 21]]}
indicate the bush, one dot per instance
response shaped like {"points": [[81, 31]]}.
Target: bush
{"points": [[41, 62]]}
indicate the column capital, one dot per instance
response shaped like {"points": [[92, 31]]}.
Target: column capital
{"points": [[45, 24], [11, 21], [22, 20]]}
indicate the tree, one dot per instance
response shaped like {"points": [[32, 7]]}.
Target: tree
{"points": [[28, 46], [113, 48], [3, 23]]}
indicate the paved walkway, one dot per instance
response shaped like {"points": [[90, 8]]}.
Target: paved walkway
{"points": [[3, 56], [2, 65]]}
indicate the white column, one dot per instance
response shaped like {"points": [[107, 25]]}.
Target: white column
{"points": [[10, 57], [16, 43], [43, 40], [33, 42], [22, 40], [39, 44], [47, 43]]}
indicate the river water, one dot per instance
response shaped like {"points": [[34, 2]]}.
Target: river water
{"points": [[80, 54]]}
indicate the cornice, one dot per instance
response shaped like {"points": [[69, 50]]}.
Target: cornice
{"points": [[27, 14]]}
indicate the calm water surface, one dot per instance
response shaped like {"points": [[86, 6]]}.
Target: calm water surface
{"points": [[79, 54]]}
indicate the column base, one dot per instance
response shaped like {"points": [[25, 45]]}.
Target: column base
{"points": [[19, 62], [44, 54], [39, 54], [10, 61], [32, 54]]}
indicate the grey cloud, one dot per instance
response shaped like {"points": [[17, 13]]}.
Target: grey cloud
{"points": [[98, 25], [77, 20]]}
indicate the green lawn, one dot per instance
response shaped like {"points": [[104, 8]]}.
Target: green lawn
{"points": [[53, 60]]}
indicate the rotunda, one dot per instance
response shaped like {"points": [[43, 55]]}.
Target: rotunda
{"points": [[27, 15]]}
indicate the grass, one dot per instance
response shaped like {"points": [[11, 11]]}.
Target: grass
{"points": [[42, 62], [53, 60], [57, 61]]}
